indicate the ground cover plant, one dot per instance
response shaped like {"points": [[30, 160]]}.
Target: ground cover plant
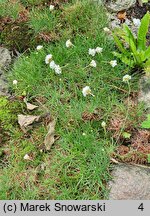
{"points": [[72, 77], [138, 53]]}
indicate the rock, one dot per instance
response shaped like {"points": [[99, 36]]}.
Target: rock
{"points": [[144, 95], [5, 60], [119, 5], [5, 57], [130, 183], [3, 87]]}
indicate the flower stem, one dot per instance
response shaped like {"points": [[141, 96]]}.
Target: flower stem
{"points": [[127, 113]]}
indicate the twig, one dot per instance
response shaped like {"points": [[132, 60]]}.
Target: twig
{"points": [[119, 88], [114, 161]]}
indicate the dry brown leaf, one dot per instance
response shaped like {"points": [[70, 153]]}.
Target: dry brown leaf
{"points": [[26, 120], [86, 116], [49, 138], [31, 106], [122, 15]]}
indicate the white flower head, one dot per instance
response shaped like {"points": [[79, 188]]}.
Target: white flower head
{"points": [[127, 22], [99, 49], [136, 22], [57, 69], [92, 52], [15, 82], [51, 7], [93, 63], [86, 91], [69, 43], [26, 157], [52, 65], [113, 63], [126, 78], [48, 58], [107, 30], [39, 47], [103, 124]]}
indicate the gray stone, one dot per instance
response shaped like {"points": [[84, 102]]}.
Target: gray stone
{"points": [[144, 95], [119, 5], [3, 87], [5, 60], [5, 57], [130, 183]]}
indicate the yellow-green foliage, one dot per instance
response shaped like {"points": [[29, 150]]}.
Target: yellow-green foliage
{"points": [[8, 113]]}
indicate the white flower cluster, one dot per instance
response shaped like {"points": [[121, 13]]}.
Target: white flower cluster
{"points": [[27, 157], [113, 63], [103, 124], [126, 78], [52, 64], [93, 63], [51, 7], [39, 47], [69, 43], [48, 59], [93, 52], [86, 91], [55, 67], [15, 82], [136, 22], [107, 30]]}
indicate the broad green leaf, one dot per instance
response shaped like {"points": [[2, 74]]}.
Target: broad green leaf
{"points": [[119, 43], [129, 34], [146, 123], [130, 39], [147, 53], [143, 29], [126, 135], [147, 67], [148, 158]]}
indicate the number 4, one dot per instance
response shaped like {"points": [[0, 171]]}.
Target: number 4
{"points": [[141, 207]]}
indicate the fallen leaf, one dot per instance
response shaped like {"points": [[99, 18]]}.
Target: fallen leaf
{"points": [[122, 16], [49, 138], [29, 105], [26, 120], [146, 123], [86, 116]]}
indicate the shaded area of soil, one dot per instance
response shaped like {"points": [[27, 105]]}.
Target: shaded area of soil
{"points": [[137, 151], [137, 11], [133, 142], [16, 36]]}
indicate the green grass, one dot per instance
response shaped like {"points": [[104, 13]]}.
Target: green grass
{"points": [[78, 165], [42, 20], [9, 8]]}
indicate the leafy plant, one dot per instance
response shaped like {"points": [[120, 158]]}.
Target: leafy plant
{"points": [[126, 135], [146, 123], [8, 113], [133, 51], [148, 158]]}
